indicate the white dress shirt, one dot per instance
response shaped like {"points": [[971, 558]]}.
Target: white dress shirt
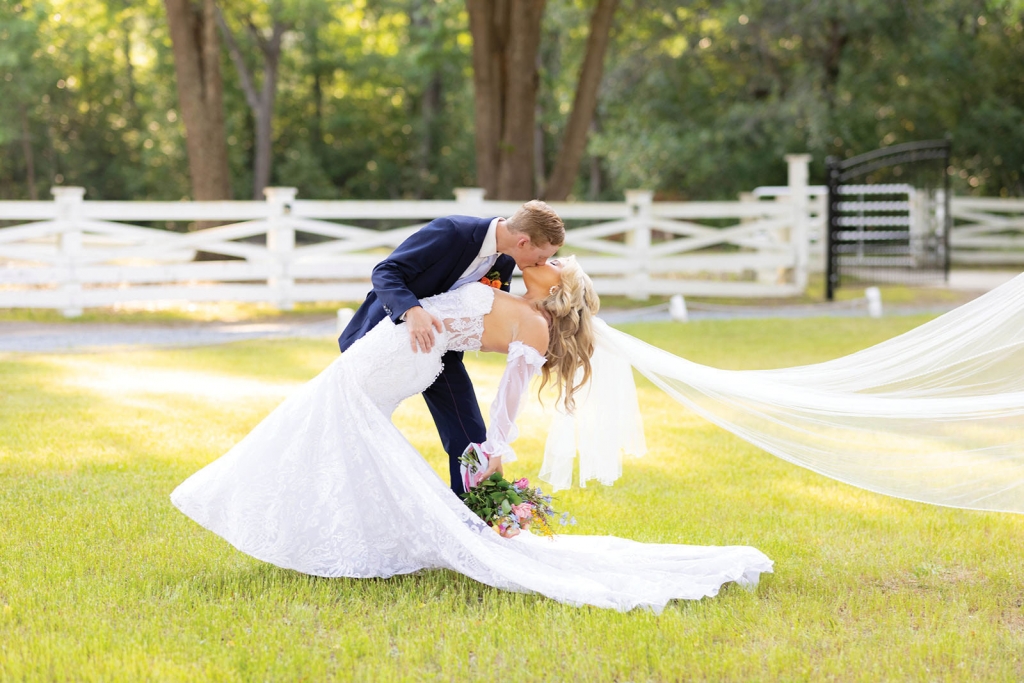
{"points": [[481, 265]]}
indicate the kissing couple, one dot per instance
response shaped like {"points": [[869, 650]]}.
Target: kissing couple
{"points": [[327, 485]]}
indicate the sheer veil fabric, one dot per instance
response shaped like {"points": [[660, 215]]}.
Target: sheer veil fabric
{"points": [[935, 415]]}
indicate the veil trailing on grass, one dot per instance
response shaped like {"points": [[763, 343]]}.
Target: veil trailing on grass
{"points": [[935, 415]]}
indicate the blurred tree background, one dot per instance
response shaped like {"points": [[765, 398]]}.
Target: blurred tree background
{"points": [[375, 99]]}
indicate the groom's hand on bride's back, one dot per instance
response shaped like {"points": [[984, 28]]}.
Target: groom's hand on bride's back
{"points": [[421, 328]]}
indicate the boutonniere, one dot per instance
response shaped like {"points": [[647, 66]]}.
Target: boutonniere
{"points": [[493, 279]]}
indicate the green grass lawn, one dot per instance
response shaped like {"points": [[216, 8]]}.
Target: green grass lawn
{"points": [[102, 579]]}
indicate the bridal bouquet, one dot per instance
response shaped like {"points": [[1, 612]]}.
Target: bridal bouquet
{"points": [[509, 507]]}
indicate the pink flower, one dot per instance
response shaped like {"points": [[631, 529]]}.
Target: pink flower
{"points": [[522, 484], [523, 510]]}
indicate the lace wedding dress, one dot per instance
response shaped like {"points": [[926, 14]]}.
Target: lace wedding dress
{"points": [[326, 485]]}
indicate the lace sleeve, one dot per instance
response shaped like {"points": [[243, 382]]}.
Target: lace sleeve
{"points": [[523, 363]]}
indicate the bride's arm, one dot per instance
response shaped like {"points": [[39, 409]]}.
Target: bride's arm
{"points": [[523, 362]]}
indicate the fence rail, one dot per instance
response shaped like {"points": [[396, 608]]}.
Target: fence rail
{"points": [[987, 231], [70, 253]]}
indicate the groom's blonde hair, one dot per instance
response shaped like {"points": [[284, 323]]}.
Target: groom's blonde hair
{"points": [[539, 222]]}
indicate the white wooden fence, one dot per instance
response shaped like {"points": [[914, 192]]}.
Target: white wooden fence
{"points": [[987, 231], [71, 253]]}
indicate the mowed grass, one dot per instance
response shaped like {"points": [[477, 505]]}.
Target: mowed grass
{"points": [[101, 578]]}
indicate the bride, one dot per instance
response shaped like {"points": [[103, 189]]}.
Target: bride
{"points": [[326, 485]]}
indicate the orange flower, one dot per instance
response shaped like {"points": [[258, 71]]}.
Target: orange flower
{"points": [[486, 281], [495, 283]]}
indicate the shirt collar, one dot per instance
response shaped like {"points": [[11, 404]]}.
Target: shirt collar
{"points": [[490, 244]]}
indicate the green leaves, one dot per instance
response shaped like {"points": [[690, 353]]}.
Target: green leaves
{"points": [[493, 501], [376, 99]]}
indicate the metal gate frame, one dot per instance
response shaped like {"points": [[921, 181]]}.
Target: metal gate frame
{"points": [[839, 171]]}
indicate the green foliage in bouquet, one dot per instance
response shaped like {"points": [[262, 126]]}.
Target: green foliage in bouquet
{"points": [[509, 507]]}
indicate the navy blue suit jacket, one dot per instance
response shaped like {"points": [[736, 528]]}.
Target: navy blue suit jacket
{"points": [[429, 262]]}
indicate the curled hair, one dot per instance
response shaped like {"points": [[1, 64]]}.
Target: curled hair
{"points": [[571, 309]]}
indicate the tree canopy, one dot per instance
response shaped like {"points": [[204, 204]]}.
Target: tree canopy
{"points": [[697, 100]]}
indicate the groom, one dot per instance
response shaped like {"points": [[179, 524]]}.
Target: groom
{"points": [[444, 255]]}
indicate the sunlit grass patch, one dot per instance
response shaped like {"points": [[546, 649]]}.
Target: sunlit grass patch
{"points": [[101, 578], [169, 312]]}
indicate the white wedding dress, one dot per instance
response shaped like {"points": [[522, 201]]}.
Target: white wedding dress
{"points": [[326, 485]]}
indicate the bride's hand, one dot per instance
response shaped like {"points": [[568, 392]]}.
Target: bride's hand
{"points": [[493, 465], [421, 328]]}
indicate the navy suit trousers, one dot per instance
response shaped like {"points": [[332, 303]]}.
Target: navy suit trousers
{"points": [[452, 403]]}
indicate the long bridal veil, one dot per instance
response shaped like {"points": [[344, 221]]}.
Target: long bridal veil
{"points": [[935, 415]]}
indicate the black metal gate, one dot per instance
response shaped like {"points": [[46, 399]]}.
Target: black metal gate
{"points": [[892, 225]]}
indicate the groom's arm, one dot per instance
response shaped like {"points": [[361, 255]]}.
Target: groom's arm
{"points": [[427, 247]]}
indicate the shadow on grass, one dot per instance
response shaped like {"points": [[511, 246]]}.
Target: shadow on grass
{"points": [[258, 580], [455, 593]]}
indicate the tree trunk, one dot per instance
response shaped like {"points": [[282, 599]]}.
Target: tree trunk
{"points": [[431, 106], [487, 88], [126, 45], [261, 101], [430, 102], [574, 141], [200, 96], [265, 126], [30, 159], [594, 191], [316, 126], [539, 171], [506, 36]]}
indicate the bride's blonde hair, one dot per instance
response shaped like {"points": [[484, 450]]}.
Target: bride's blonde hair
{"points": [[571, 307]]}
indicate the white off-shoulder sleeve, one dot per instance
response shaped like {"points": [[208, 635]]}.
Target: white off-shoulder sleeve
{"points": [[523, 363]]}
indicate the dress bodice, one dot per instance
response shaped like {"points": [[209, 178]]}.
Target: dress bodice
{"points": [[389, 371], [384, 363]]}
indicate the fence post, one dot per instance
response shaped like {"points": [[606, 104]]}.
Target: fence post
{"points": [[918, 210], [280, 244], [767, 276], [472, 199], [69, 213], [800, 236], [640, 203]]}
